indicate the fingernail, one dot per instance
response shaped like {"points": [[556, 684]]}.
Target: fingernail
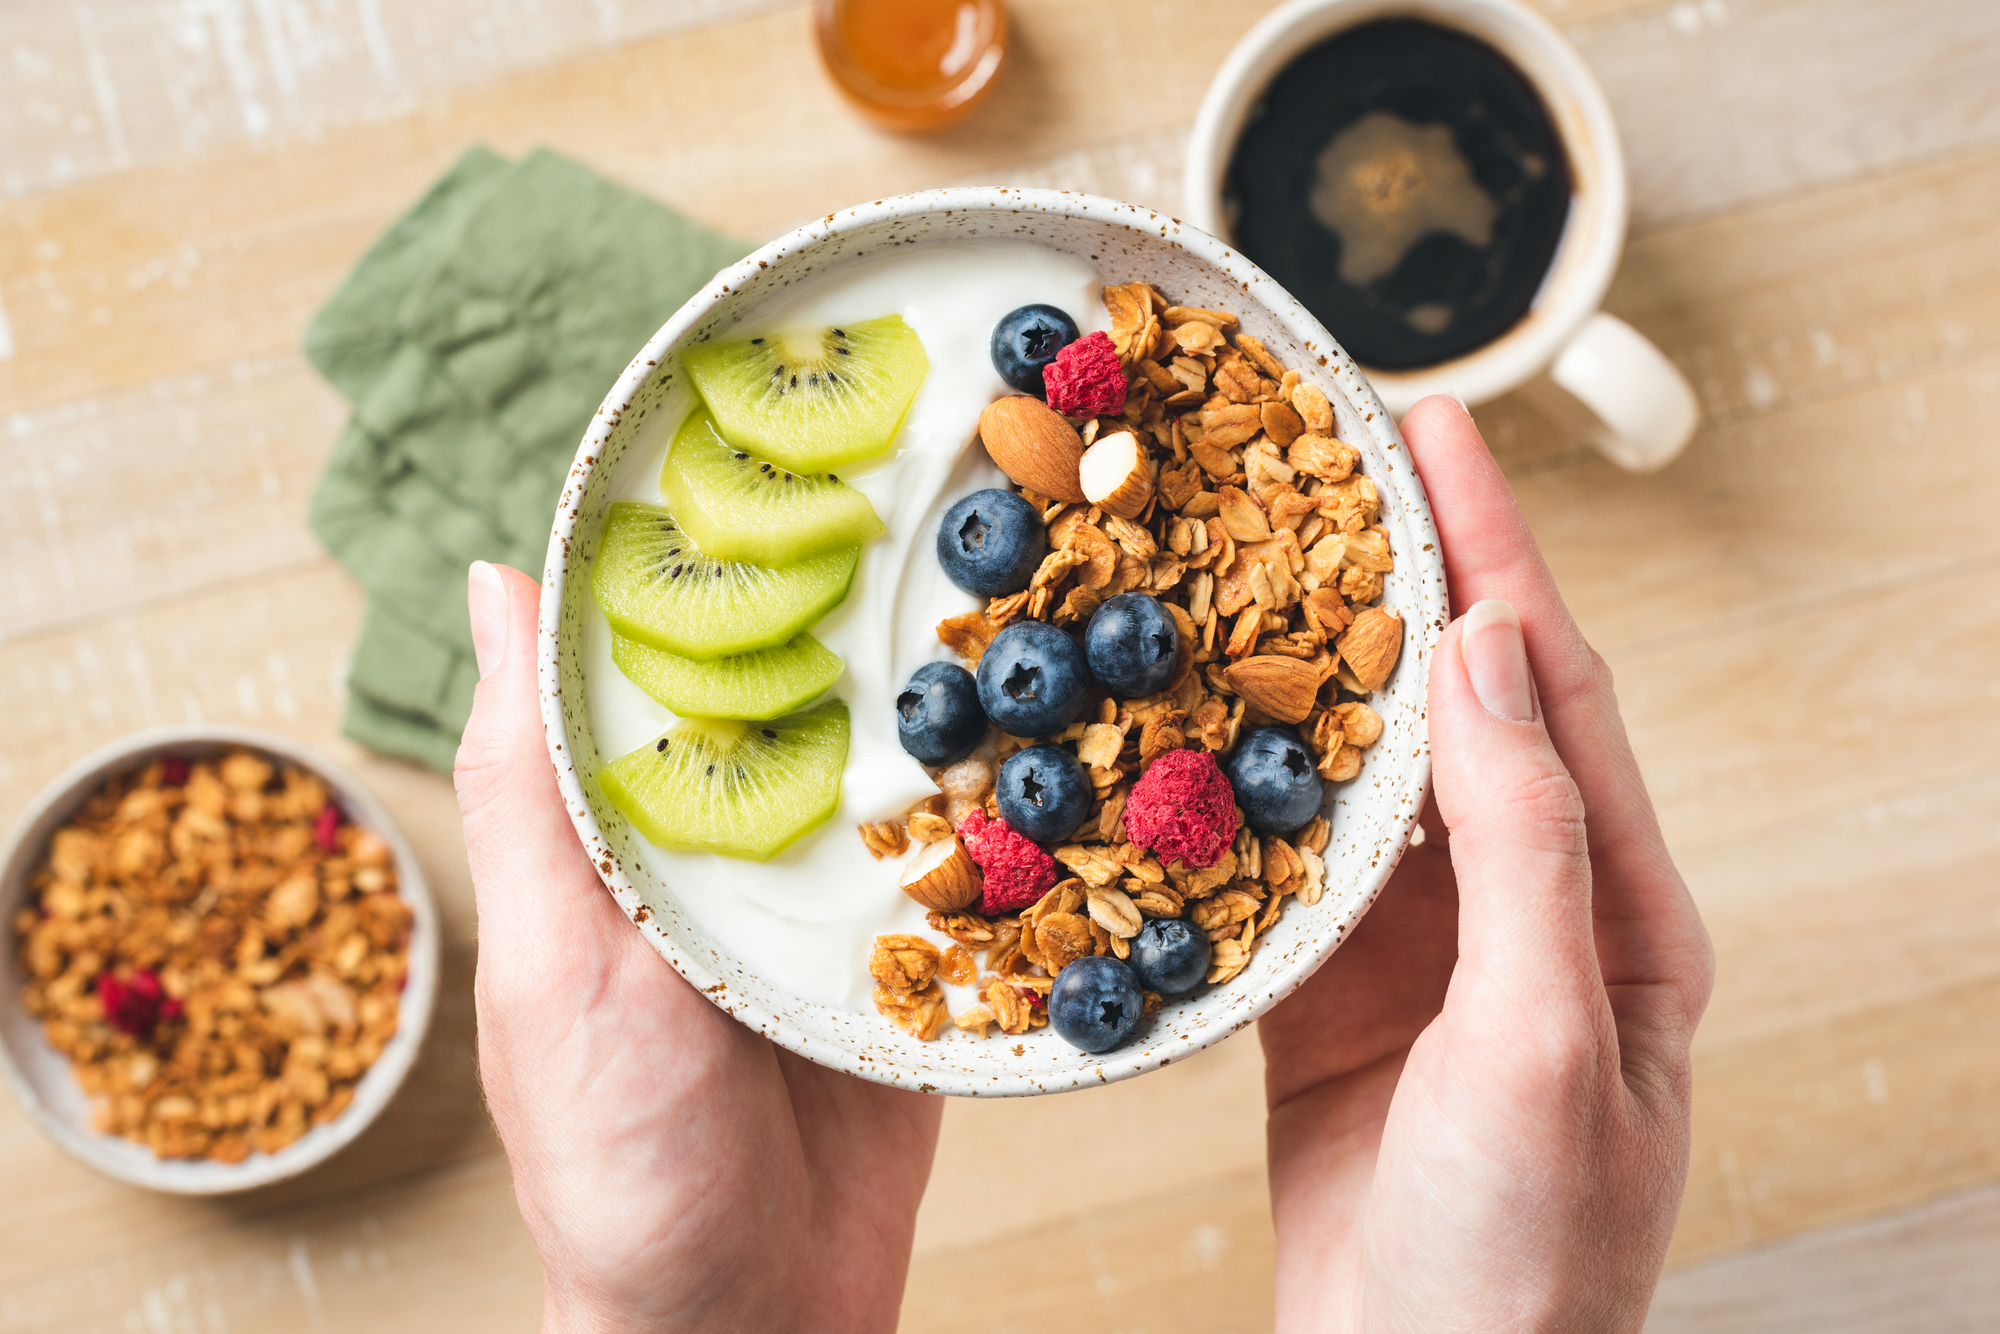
{"points": [[486, 599], [1497, 660], [1461, 404]]}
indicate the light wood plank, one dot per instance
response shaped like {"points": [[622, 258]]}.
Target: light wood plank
{"points": [[1003, 1164], [1827, 292], [1193, 1260], [1839, 497], [1926, 1270], [1720, 102], [1883, 1108], [446, 1251], [1879, 903], [1817, 711], [112, 503], [98, 88]]}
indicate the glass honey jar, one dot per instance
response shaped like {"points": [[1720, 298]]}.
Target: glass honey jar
{"points": [[912, 64]]}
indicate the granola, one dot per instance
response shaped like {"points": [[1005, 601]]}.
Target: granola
{"points": [[1264, 540], [219, 955]]}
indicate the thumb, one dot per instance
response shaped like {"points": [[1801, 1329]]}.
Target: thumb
{"points": [[524, 852], [1515, 818]]}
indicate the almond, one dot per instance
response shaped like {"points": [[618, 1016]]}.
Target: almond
{"points": [[1116, 475], [1034, 445], [1283, 687], [1370, 646], [943, 876]]}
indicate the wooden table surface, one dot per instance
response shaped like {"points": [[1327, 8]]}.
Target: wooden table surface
{"points": [[1802, 612]]}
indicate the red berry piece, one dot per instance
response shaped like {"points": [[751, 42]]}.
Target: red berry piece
{"points": [[1085, 379], [1182, 808], [1016, 872], [326, 829]]}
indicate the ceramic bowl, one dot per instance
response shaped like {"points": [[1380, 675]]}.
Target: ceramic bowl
{"points": [[1371, 816], [41, 1076]]}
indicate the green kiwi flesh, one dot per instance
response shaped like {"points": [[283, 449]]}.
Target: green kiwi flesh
{"points": [[739, 507], [742, 789], [812, 399], [765, 684], [656, 586]]}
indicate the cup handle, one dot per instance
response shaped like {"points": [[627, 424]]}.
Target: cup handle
{"points": [[1621, 393]]}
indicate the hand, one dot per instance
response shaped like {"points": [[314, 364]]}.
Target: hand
{"points": [[676, 1170], [1479, 1107]]}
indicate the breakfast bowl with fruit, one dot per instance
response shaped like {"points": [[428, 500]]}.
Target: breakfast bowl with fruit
{"points": [[984, 639]]}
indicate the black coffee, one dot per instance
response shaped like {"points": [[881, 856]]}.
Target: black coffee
{"points": [[1404, 182]]}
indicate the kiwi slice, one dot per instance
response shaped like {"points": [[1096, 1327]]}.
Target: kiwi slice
{"points": [[743, 789], [764, 684], [812, 399], [655, 585], [737, 507]]}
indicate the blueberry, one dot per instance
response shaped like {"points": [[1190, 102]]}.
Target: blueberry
{"points": [[1170, 956], [1275, 782], [990, 543], [938, 718], [1095, 1003], [1133, 644], [1028, 339], [1033, 680], [1043, 793]]}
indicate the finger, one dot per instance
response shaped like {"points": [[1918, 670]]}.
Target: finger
{"points": [[1383, 986], [1517, 827], [1648, 929], [530, 874]]}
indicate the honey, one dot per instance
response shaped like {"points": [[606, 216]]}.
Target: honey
{"points": [[912, 64]]}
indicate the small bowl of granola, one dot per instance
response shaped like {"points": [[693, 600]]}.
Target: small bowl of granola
{"points": [[221, 959]]}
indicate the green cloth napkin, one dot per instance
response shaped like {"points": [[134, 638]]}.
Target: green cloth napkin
{"points": [[474, 341]]}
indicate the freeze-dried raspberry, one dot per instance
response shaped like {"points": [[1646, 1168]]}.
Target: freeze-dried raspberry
{"points": [[1183, 808], [326, 829], [1085, 379], [1016, 871], [136, 1005]]}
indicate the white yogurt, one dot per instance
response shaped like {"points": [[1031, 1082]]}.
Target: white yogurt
{"points": [[805, 920]]}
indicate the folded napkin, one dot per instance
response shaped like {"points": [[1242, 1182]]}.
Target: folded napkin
{"points": [[474, 341]]}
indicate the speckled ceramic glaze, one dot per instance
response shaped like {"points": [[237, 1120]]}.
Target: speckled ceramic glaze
{"points": [[1371, 816], [41, 1076]]}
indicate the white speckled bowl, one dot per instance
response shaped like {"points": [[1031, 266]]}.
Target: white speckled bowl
{"points": [[41, 1076], [1371, 816]]}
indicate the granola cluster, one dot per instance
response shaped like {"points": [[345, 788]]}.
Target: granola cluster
{"points": [[1263, 541], [217, 953]]}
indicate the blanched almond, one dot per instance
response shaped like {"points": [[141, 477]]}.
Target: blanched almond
{"points": [[1034, 445], [943, 876], [1116, 475]]}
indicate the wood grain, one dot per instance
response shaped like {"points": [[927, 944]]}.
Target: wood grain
{"points": [[1724, 101], [1926, 1271], [1800, 612]]}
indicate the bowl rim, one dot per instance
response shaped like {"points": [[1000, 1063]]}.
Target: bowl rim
{"points": [[1258, 288], [376, 1089]]}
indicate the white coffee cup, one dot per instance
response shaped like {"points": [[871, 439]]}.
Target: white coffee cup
{"points": [[1592, 371]]}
